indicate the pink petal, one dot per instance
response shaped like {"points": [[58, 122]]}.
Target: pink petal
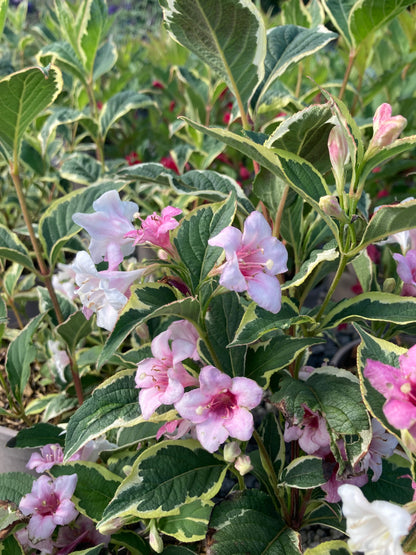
{"points": [[265, 291], [401, 414], [385, 379], [65, 513], [65, 486], [189, 406], [213, 380], [229, 239], [211, 434], [149, 401], [41, 527], [231, 276], [248, 392], [240, 425]]}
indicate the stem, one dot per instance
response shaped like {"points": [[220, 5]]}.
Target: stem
{"points": [[340, 271], [299, 80], [93, 106], [351, 59], [279, 214]]}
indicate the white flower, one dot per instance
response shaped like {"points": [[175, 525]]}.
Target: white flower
{"points": [[375, 528]]}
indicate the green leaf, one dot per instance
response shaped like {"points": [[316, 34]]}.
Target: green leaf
{"points": [[59, 116], [229, 37], [146, 301], [3, 317], [392, 485], [264, 360], [37, 436], [105, 59], [119, 105], [295, 13], [363, 267], [256, 322], [304, 473], [23, 96], [376, 349], [4, 4], [270, 188], [223, 318], [11, 278], [80, 168], [14, 485], [96, 550], [73, 25], [165, 477], [338, 11], [13, 249], [248, 523], [388, 220], [95, 489], [56, 226], [90, 39], [113, 404], [66, 56], [190, 525], [287, 45], [191, 238], [75, 328], [328, 253], [272, 436], [9, 515], [10, 546], [367, 16], [385, 153], [45, 304], [333, 547], [134, 543], [373, 306], [20, 354], [344, 413]]}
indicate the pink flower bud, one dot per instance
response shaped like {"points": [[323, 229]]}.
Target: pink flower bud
{"points": [[386, 128], [243, 464], [231, 451], [338, 151], [330, 206]]}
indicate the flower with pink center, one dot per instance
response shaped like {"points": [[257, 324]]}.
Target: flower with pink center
{"points": [[104, 293], [253, 259], [163, 378], [108, 227], [382, 445], [155, 229], [47, 458], [386, 128], [311, 433], [406, 269], [398, 385], [50, 505], [220, 407]]}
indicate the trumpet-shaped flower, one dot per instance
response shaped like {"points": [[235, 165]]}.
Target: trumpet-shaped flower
{"points": [[50, 505], [253, 259], [375, 527], [104, 292], [386, 128], [49, 455], [406, 269], [162, 379], [155, 229], [220, 407], [398, 385], [108, 227]]}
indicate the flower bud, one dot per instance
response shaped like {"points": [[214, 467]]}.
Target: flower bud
{"points": [[389, 285], [338, 151], [386, 129], [243, 464], [155, 541], [330, 206], [231, 451]]}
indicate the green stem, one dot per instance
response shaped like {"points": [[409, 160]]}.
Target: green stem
{"points": [[341, 267], [279, 214], [351, 59]]}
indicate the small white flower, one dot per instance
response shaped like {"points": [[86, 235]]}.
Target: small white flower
{"points": [[375, 528]]}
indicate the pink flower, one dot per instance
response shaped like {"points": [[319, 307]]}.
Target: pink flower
{"points": [[50, 505], [354, 477], [338, 152], [44, 546], [108, 227], [82, 531], [220, 407], [174, 429], [162, 379], [63, 281], [398, 385], [155, 229], [169, 163], [254, 258], [311, 433], [59, 359], [386, 129], [406, 269], [47, 458], [105, 293], [382, 445], [132, 159]]}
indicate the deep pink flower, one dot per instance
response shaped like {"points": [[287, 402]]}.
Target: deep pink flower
{"points": [[81, 532], [50, 505], [406, 269], [169, 163], [244, 173], [108, 227], [311, 433], [254, 258], [386, 128], [155, 229], [158, 85], [220, 407], [398, 385], [162, 379], [132, 158]]}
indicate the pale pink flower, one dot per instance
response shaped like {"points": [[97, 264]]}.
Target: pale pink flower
{"points": [[155, 229], [43, 546], [398, 385], [82, 531], [105, 293], [59, 360], [162, 379], [382, 445], [338, 152], [174, 429], [220, 407], [311, 433], [64, 281], [406, 269], [50, 505], [107, 227], [386, 128], [253, 259], [49, 455], [375, 527]]}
